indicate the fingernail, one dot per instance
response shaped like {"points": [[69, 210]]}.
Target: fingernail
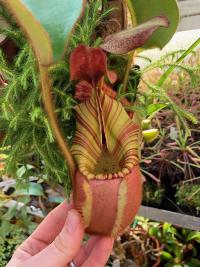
{"points": [[72, 221]]}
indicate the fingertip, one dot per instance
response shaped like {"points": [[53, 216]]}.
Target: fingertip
{"points": [[73, 221], [100, 252], [66, 244]]}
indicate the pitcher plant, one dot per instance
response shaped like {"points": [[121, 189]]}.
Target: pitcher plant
{"points": [[103, 160]]}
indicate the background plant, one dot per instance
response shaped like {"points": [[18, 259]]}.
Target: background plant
{"points": [[151, 243]]}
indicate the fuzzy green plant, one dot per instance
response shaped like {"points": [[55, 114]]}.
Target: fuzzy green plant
{"points": [[29, 138], [189, 195], [156, 97], [12, 234], [9, 244]]}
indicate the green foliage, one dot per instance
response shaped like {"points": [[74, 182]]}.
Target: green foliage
{"points": [[8, 244], [189, 194], [85, 29], [159, 93], [28, 135], [152, 194], [28, 138], [156, 96], [16, 214], [167, 64], [15, 226], [33, 189], [178, 61], [179, 246], [48, 39]]}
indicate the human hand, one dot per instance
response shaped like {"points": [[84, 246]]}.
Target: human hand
{"points": [[58, 240]]}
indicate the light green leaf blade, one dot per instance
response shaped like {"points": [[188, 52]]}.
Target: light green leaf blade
{"points": [[47, 24], [166, 255], [33, 189], [143, 10], [154, 108], [193, 236]]}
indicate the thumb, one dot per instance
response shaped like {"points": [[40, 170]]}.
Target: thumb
{"points": [[65, 246]]}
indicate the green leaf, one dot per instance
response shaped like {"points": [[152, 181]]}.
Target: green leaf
{"points": [[146, 124], [166, 255], [142, 10], [47, 24], [168, 228], [4, 228], [154, 108], [23, 170], [168, 265], [153, 231], [193, 236], [56, 199], [33, 189], [10, 213], [192, 263], [178, 61]]}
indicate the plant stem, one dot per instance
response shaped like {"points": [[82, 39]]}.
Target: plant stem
{"points": [[128, 67], [131, 54], [179, 60], [50, 111], [132, 12]]}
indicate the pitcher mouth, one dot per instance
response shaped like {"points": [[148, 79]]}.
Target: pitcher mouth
{"points": [[108, 167], [107, 141]]}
